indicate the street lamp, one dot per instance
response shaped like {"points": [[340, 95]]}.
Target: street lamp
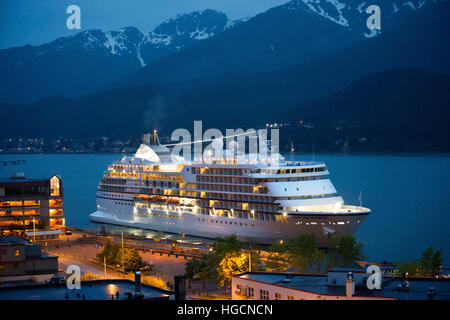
{"points": [[34, 231]]}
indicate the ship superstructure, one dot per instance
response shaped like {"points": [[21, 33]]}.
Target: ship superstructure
{"points": [[257, 201]]}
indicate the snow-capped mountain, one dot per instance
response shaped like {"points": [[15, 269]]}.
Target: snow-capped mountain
{"points": [[182, 31], [297, 32], [352, 13], [91, 59], [276, 62]]}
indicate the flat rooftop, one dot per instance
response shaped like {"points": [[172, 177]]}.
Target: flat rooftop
{"points": [[92, 290], [13, 239], [418, 287], [18, 180]]}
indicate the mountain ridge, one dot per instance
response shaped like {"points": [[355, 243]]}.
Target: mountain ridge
{"points": [[89, 60], [94, 60], [391, 110]]}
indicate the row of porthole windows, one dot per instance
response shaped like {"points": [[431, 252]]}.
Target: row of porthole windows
{"points": [[123, 203], [112, 195], [226, 222], [323, 223], [160, 215]]}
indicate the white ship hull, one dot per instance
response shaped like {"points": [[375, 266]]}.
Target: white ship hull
{"points": [[262, 232]]}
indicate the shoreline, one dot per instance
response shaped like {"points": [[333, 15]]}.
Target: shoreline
{"points": [[375, 153]]}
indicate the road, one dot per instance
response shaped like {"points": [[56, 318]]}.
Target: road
{"points": [[164, 266]]}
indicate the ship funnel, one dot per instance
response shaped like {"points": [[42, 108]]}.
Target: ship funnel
{"points": [[151, 139]]}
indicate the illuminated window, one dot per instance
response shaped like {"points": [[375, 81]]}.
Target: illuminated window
{"points": [[17, 252], [54, 186]]}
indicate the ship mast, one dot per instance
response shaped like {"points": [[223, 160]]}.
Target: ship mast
{"points": [[155, 138]]}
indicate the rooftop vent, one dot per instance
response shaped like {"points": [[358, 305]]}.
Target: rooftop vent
{"points": [[137, 286], [431, 292]]}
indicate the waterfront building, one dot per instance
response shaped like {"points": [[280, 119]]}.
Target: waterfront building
{"points": [[29, 205], [338, 284], [21, 260]]}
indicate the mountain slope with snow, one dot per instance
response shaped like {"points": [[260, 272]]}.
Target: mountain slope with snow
{"points": [[352, 13], [295, 33], [91, 59]]}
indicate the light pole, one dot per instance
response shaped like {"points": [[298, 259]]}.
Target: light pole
{"points": [[123, 259], [250, 259], [104, 262], [34, 232]]}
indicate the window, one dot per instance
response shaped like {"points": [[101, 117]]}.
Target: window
{"points": [[250, 292], [263, 295], [277, 296], [290, 297], [54, 186], [239, 289], [17, 252]]}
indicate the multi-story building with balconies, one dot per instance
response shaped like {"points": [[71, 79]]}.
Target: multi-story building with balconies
{"points": [[31, 205]]}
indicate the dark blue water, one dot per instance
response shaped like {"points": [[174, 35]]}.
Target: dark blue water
{"points": [[409, 195]]}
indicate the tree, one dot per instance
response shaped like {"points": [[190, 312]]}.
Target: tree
{"points": [[302, 251], [229, 265], [226, 245], [111, 252], [221, 263], [132, 260], [430, 263], [204, 269], [343, 251], [436, 263], [410, 269], [88, 276], [113, 255], [192, 267], [207, 270], [278, 259], [319, 259], [154, 281]]}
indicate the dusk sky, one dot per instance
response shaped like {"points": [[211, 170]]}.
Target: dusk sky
{"points": [[39, 21]]}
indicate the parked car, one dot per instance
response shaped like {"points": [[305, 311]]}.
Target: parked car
{"points": [[56, 279]]}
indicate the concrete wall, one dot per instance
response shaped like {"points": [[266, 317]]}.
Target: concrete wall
{"points": [[38, 265]]}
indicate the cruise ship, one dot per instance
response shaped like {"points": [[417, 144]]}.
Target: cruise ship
{"points": [[259, 201]]}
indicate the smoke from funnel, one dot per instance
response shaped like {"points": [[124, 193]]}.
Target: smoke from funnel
{"points": [[156, 113]]}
